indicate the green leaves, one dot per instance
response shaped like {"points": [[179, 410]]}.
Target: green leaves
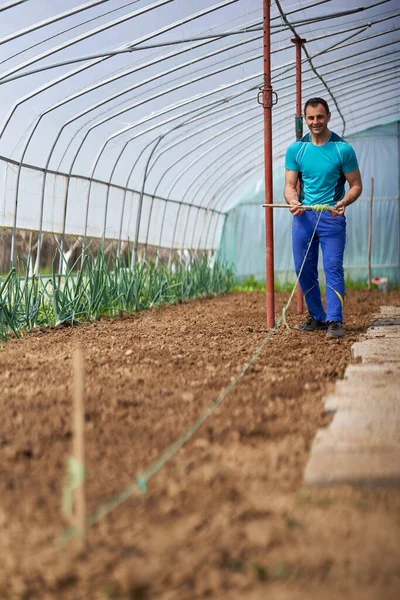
{"points": [[102, 287]]}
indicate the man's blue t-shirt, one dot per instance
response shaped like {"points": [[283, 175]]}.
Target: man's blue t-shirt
{"points": [[321, 168]]}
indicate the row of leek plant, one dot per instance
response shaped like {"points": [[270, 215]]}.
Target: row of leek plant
{"points": [[102, 287]]}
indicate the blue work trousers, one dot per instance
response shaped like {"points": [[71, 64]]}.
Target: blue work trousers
{"points": [[331, 235]]}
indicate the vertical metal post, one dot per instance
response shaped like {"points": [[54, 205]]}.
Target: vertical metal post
{"points": [[268, 97], [398, 196], [298, 41], [371, 199]]}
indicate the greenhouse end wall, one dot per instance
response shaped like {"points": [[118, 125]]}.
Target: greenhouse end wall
{"points": [[243, 239]]}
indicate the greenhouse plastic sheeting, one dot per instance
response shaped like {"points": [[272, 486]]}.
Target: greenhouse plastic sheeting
{"points": [[243, 241], [108, 103], [110, 209]]}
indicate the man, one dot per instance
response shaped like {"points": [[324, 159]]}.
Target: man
{"points": [[322, 162]]}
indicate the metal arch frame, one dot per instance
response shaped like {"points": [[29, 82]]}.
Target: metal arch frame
{"points": [[58, 34], [367, 84], [50, 21], [79, 39], [219, 190], [130, 127], [174, 88], [307, 80], [295, 11], [245, 176], [248, 29], [70, 74], [169, 109], [103, 82], [344, 44], [239, 177], [143, 149], [224, 141], [161, 231], [136, 13], [286, 141], [203, 227], [280, 112], [226, 191], [189, 121], [242, 175], [22, 159], [215, 196], [189, 112], [222, 207], [156, 126], [374, 58], [90, 88], [225, 108], [207, 140], [373, 111], [194, 119], [184, 84], [191, 134], [85, 36], [208, 150], [122, 92], [227, 159], [154, 115], [11, 4], [138, 218]]}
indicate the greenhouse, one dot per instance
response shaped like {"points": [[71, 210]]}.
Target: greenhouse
{"points": [[156, 141], [159, 403]]}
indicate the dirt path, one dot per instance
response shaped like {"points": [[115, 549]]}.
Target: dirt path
{"points": [[227, 517]]}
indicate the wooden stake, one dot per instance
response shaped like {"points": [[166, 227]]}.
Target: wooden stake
{"points": [[78, 448], [370, 233]]}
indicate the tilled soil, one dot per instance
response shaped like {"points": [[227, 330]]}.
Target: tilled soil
{"points": [[227, 517]]}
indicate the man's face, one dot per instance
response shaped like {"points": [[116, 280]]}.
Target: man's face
{"points": [[317, 119]]}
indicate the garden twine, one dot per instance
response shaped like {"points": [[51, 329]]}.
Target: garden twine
{"points": [[76, 472]]}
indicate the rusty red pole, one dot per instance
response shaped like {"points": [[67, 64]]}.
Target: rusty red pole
{"points": [[267, 101], [299, 132]]}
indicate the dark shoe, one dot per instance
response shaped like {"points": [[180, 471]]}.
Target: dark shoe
{"points": [[311, 325], [334, 330]]}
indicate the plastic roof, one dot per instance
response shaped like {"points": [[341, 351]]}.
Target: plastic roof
{"points": [[114, 89]]}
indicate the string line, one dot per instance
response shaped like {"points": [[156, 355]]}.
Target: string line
{"points": [[139, 485]]}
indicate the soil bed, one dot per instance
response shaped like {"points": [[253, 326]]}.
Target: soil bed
{"points": [[227, 517]]}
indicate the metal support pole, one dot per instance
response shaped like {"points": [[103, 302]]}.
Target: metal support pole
{"points": [[268, 99], [298, 41], [371, 199]]}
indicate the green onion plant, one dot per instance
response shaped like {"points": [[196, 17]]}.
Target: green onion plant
{"points": [[102, 286]]}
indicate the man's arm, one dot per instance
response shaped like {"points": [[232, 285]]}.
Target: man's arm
{"points": [[354, 180], [290, 192]]}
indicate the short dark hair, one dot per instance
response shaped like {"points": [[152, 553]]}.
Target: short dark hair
{"points": [[314, 102]]}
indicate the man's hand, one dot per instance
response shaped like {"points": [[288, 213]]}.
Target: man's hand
{"points": [[338, 209], [296, 209]]}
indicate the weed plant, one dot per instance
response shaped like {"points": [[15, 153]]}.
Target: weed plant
{"points": [[102, 287], [251, 284]]}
